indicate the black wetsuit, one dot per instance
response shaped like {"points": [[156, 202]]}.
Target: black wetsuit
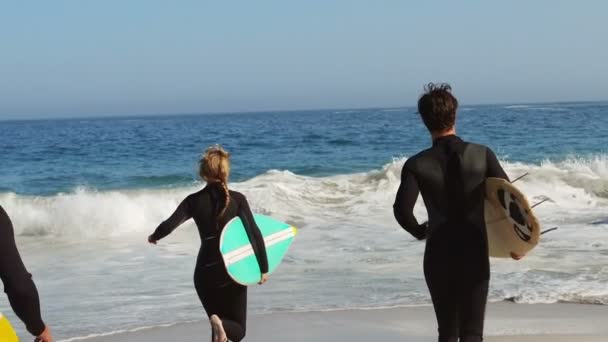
{"points": [[219, 294], [18, 283], [451, 177]]}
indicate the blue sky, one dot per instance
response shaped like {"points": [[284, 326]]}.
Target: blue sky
{"points": [[81, 58]]}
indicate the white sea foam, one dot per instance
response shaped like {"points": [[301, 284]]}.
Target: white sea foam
{"points": [[537, 108], [577, 190], [517, 106]]}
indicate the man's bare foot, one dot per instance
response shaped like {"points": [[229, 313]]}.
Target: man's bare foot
{"points": [[218, 329]]}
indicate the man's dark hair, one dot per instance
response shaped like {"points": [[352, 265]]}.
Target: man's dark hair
{"points": [[438, 106]]}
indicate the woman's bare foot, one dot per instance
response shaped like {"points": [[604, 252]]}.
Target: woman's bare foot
{"points": [[218, 329]]}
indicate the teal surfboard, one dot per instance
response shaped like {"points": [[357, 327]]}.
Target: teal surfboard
{"points": [[237, 252]]}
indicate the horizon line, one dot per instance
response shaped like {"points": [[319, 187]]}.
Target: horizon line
{"points": [[227, 112]]}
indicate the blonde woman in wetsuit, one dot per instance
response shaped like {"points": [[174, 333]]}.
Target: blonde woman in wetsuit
{"points": [[224, 300]]}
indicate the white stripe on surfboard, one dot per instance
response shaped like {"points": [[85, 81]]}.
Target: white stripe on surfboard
{"points": [[245, 251]]}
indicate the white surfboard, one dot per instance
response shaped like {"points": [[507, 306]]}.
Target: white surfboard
{"points": [[512, 227]]}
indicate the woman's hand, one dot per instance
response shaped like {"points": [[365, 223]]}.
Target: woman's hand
{"points": [[45, 336], [151, 240], [264, 278]]}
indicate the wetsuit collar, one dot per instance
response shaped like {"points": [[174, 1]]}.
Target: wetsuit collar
{"points": [[446, 138], [214, 185]]}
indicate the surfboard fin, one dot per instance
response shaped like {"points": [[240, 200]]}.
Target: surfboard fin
{"points": [[548, 230], [520, 177], [539, 203]]}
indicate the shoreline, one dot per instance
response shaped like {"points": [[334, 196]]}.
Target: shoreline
{"points": [[505, 322]]}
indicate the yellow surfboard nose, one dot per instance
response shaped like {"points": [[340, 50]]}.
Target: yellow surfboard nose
{"points": [[7, 334], [294, 230]]}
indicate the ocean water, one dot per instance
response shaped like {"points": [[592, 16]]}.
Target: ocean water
{"points": [[84, 194]]}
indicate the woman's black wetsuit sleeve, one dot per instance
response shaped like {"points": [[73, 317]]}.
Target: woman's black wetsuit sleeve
{"points": [[18, 283], [181, 215], [254, 234], [494, 169], [404, 205]]}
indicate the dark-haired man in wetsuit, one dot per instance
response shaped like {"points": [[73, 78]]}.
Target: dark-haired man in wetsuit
{"points": [[18, 283], [450, 176]]}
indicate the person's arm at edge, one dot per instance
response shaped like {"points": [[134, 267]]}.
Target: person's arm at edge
{"points": [[403, 208], [18, 283]]}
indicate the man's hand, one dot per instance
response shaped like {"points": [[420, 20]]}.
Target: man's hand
{"points": [[422, 230], [516, 257]]}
